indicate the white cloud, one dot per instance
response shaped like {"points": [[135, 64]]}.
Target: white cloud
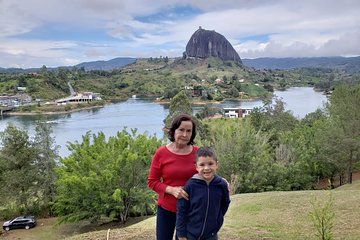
{"points": [[258, 28]]}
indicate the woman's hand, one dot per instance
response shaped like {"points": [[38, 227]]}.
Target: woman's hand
{"points": [[228, 184], [177, 192]]}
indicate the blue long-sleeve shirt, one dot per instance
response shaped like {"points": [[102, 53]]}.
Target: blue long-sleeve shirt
{"points": [[203, 214]]}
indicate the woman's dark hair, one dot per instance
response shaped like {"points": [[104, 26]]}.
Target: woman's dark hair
{"points": [[175, 124]]}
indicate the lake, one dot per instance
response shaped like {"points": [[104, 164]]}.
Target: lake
{"points": [[145, 115]]}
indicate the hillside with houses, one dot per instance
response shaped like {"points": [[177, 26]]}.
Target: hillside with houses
{"points": [[210, 79]]}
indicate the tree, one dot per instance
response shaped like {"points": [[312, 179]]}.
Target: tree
{"points": [[344, 111], [243, 154], [233, 92], [18, 169], [207, 111], [332, 152], [43, 70], [46, 160], [298, 153], [272, 118], [225, 78], [179, 104], [106, 178], [27, 170], [170, 92], [22, 81], [62, 74]]}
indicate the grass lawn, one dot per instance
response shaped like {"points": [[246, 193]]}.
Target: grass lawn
{"points": [[269, 215], [45, 229]]}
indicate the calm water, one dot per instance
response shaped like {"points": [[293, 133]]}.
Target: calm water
{"points": [[144, 115]]}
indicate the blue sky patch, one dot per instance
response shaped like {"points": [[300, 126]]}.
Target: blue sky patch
{"points": [[62, 32], [170, 14], [258, 38]]}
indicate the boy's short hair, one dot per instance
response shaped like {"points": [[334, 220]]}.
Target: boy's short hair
{"points": [[205, 152]]}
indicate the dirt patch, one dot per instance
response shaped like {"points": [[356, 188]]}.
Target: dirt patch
{"points": [[90, 227], [324, 183]]}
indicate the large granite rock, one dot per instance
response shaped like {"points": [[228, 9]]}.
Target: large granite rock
{"points": [[205, 43]]}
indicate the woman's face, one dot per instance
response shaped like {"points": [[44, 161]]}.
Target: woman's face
{"points": [[183, 133]]}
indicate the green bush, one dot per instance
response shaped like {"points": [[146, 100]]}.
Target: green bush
{"points": [[8, 212], [68, 107], [218, 97], [27, 108]]}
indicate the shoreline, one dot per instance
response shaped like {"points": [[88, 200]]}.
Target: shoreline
{"points": [[212, 102], [49, 113], [110, 102]]}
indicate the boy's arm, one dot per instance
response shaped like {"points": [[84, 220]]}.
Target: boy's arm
{"points": [[225, 201], [182, 206]]}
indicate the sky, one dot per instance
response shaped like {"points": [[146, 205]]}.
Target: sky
{"points": [[56, 33]]}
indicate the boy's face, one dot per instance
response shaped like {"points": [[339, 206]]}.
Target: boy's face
{"points": [[206, 167]]}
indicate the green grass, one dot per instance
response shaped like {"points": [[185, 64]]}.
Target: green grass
{"points": [[269, 215], [46, 229]]}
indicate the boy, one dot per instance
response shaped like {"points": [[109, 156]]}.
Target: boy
{"points": [[202, 216]]}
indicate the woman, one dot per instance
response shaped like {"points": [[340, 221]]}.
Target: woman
{"points": [[172, 165]]}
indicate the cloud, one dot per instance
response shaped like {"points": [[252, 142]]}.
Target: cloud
{"points": [[88, 30]]}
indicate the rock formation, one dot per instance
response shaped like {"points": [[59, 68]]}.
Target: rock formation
{"points": [[204, 43]]}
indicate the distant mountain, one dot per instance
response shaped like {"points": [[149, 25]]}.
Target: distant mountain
{"points": [[349, 64], [107, 65], [88, 66], [18, 70]]}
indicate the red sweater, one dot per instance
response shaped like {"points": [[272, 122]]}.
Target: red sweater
{"points": [[170, 169]]}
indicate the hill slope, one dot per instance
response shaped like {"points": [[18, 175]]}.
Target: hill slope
{"points": [[106, 65], [350, 64], [270, 215]]}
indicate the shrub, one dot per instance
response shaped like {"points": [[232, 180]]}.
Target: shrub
{"points": [[323, 218]]}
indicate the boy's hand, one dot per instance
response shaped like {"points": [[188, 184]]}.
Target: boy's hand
{"points": [[182, 238]]}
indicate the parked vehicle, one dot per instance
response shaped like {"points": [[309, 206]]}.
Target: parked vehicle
{"points": [[26, 222]]}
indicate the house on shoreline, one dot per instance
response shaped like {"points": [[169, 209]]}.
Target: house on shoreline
{"points": [[80, 97], [236, 112]]}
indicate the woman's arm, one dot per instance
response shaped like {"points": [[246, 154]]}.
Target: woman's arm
{"points": [[155, 175]]}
